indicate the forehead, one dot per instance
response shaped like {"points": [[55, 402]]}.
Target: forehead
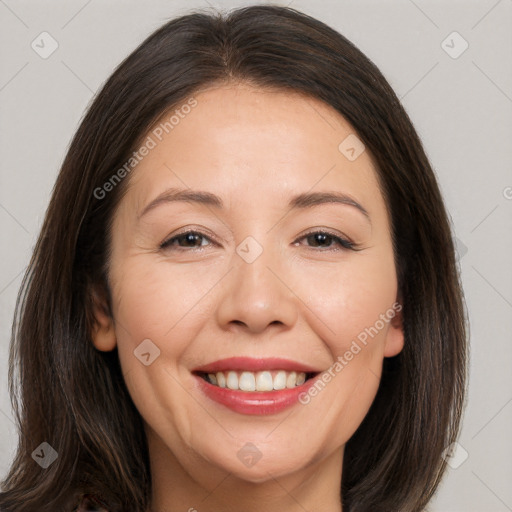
{"points": [[242, 142]]}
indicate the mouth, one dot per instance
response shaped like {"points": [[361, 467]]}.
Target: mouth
{"points": [[250, 381], [255, 386]]}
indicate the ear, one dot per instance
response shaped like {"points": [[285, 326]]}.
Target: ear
{"points": [[103, 332], [395, 336]]}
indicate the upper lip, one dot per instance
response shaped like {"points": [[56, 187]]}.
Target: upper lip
{"points": [[254, 365]]}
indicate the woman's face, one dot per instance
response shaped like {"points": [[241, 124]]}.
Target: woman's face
{"points": [[252, 282]]}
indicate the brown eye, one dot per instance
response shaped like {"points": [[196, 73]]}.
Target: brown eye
{"points": [[320, 239], [323, 239], [189, 240]]}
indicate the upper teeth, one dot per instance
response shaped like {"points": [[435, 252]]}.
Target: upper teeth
{"points": [[257, 381]]}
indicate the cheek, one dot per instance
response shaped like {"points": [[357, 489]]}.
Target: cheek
{"points": [[159, 311], [346, 301], [350, 309], [154, 300]]}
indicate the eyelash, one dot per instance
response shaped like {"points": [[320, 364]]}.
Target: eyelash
{"points": [[343, 242]]}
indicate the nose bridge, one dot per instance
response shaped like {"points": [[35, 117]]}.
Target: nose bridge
{"points": [[255, 295], [252, 268]]}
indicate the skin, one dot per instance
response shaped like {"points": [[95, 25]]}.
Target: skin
{"points": [[301, 300]]}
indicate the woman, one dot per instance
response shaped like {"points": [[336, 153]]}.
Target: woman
{"points": [[244, 293]]}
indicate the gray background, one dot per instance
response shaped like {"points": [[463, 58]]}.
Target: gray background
{"points": [[460, 106]]}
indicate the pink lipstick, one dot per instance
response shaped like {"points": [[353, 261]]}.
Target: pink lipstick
{"points": [[255, 386]]}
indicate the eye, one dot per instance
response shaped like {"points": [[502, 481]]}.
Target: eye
{"points": [[316, 239], [189, 240], [325, 240]]}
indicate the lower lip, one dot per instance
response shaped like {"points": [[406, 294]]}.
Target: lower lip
{"points": [[254, 402]]}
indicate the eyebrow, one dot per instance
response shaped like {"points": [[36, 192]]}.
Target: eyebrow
{"points": [[301, 201]]}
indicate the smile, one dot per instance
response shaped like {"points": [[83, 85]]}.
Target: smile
{"points": [[255, 386], [257, 381]]}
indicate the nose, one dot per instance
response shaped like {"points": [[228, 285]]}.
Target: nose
{"points": [[257, 295]]}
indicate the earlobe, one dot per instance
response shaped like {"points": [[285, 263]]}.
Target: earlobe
{"points": [[395, 335], [103, 332]]}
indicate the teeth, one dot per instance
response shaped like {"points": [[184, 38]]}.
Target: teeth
{"points": [[232, 380], [221, 380], [264, 381], [291, 380], [257, 381], [280, 380], [247, 382]]}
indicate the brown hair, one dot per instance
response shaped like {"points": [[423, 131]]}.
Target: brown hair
{"points": [[72, 396]]}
